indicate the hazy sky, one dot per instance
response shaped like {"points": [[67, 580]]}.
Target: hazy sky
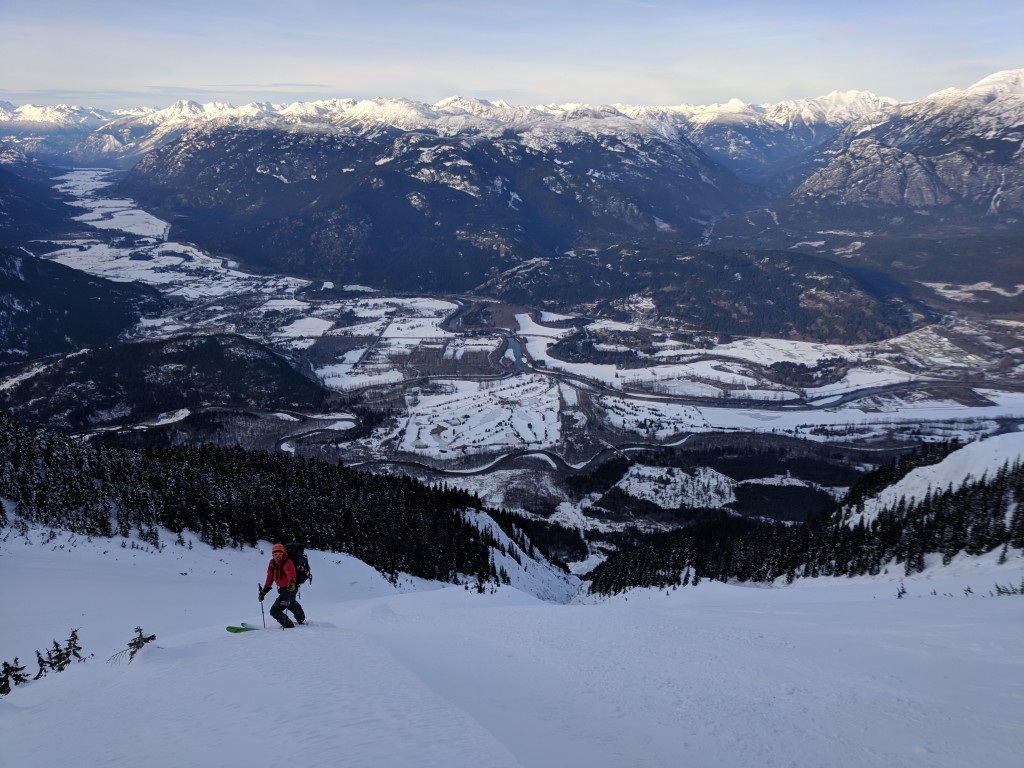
{"points": [[110, 53]]}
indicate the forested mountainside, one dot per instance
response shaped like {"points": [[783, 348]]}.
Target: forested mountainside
{"points": [[47, 308], [233, 498], [980, 515], [775, 294], [117, 383], [29, 207], [409, 209]]}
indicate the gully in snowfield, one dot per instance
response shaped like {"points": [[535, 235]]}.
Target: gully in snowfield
{"points": [[281, 571]]}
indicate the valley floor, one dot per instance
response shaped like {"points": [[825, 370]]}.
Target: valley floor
{"points": [[823, 673]]}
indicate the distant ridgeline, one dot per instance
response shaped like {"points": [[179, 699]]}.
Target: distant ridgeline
{"points": [[978, 517], [230, 497]]}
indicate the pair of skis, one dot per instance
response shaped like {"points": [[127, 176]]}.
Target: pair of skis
{"points": [[244, 627]]}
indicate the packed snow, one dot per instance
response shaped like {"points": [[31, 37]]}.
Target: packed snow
{"points": [[823, 673], [921, 671]]}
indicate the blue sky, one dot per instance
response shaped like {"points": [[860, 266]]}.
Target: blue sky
{"points": [[110, 53]]}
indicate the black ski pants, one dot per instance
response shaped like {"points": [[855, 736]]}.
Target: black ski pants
{"points": [[286, 602]]}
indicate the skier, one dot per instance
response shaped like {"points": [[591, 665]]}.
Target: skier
{"points": [[281, 571]]}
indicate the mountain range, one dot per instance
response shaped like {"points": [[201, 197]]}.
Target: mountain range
{"points": [[460, 194], [88, 135]]}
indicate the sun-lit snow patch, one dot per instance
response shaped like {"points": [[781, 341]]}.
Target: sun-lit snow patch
{"points": [[928, 348], [968, 293], [108, 213], [658, 421], [847, 251], [24, 375], [720, 372], [553, 317], [350, 375], [175, 269], [173, 416], [304, 332], [579, 516], [670, 380], [84, 182], [865, 377], [122, 215], [769, 351]]}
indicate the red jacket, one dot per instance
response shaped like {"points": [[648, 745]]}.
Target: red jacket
{"points": [[282, 575]]}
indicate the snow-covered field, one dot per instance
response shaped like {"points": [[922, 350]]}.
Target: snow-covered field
{"points": [[822, 673], [470, 416]]}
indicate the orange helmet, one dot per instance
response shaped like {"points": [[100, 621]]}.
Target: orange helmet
{"points": [[279, 548]]}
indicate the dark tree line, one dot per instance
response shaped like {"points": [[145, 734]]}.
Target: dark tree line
{"points": [[230, 497], [888, 474], [57, 659], [980, 516]]}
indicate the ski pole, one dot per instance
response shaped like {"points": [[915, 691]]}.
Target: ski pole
{"points": [[261, 609]]}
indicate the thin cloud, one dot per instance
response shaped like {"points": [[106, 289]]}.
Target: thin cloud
{"points": [[108, 53]]}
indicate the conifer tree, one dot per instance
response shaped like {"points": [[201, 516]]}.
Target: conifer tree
{"points": [[73, 649], [43, 665], [57, 657], [12, 674], [18, 675]]}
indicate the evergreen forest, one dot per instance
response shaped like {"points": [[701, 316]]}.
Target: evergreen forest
{"points": [[231, 497], [979, 516]]}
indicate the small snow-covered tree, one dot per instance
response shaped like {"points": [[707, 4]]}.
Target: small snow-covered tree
{"points": [[43, 666], [12, 674], [58, 658], [73, 649]]}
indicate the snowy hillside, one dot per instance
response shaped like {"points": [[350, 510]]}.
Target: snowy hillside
{"points": [[823, 673], [971, 462]]}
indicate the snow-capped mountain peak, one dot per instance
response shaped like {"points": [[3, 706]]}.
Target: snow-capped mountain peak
{"points": [[186, 108], [58, 116], [1009, 82], [834, 109]]}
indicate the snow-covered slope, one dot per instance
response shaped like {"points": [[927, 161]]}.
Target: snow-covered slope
{"points": [[827, 674], [970, 463], [747, 137], [58, 117], [919, 671]]}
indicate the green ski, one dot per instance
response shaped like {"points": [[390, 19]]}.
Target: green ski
{"points": [[236, 630]]}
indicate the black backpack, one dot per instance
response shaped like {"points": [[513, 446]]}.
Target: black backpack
{"points": [[297, 554]]}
